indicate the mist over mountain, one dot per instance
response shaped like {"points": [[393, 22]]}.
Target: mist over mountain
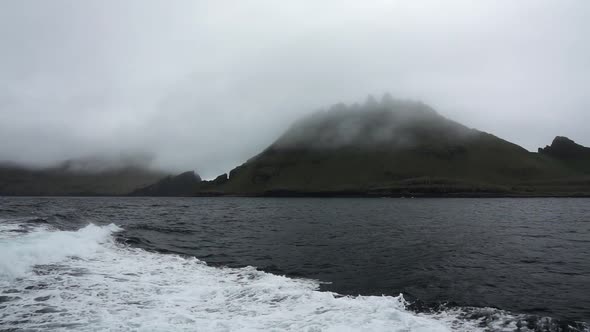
{"points": [[97, 164], [390, 146], [380, 147], [97, 175], [202, 87], [245, 165], [390, 124]]}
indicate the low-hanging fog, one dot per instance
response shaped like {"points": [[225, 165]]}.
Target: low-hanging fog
{"points": [[207, 84]]}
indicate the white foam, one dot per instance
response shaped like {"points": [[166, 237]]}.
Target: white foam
{"points": [[96, 284], [18, 254]]}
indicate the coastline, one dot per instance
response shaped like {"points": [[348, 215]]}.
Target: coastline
{"points": [[344, 194]]}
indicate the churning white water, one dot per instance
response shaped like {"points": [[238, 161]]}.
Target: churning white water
{"points": [[84, 281]]}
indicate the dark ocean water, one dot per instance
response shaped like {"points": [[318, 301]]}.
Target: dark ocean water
{"points": [[463, 264]]}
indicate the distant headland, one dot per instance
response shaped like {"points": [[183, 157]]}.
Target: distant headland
{"points": [[390, 147]]}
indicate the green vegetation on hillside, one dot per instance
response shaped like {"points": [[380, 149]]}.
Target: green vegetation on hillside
{"points": [[386, 148], [396, 148], [61, 180]]}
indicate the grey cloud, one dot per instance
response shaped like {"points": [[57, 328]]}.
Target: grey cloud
{"points": [[388, 124], [206, 84]]}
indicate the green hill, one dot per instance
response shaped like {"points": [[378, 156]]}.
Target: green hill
{"points": [[386, 148], [68, 179], [395, 147]]}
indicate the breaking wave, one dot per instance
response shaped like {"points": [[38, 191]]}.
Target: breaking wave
{"points": [[86, 281]]}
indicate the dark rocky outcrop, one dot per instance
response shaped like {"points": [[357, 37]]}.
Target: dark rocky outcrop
{"points": [[564, 148], [223, 178], [573, 155], [185, 184]]}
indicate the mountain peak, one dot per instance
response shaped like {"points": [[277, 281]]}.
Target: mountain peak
{"points": [[388, 124], [390, 147], [563, 147], [562, 140]]}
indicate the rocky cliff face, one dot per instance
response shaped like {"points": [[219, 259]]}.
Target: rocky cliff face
{"points": [[571, 154], [564, 148]]}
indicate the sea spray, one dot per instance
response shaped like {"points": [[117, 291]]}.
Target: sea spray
{"points": [[19, 254]]}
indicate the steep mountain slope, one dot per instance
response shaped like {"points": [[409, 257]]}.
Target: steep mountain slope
{"points": [[389, 147]]}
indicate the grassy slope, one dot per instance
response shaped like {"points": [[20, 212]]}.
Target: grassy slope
{"points": [[443, 157], [21, 181]]}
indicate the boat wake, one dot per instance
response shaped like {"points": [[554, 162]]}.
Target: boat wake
{"points": [[85, 280]]}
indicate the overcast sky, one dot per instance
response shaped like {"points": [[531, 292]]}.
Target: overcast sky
{"points": [[207, 84]]}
